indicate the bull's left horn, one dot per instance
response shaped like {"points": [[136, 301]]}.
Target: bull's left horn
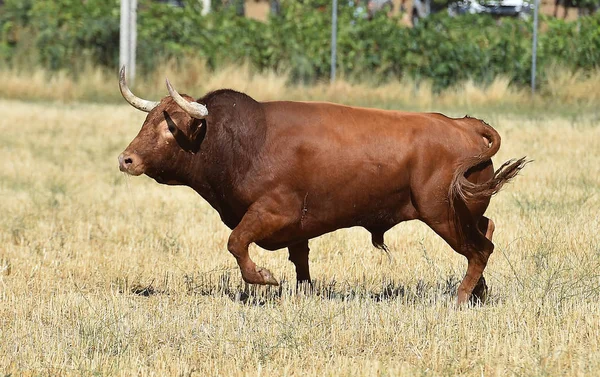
{"points": [[138, 103], [195, 109]]}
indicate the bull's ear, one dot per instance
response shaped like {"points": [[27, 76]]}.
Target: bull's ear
{"points": [[198, 131], [187, 143], [197, 127]]}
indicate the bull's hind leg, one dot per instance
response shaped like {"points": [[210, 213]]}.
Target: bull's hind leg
{"points": [[476, 247], [486, 226], [298, 255]]}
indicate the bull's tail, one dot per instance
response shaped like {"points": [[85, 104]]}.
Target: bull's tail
{"points": [[465, 191]]}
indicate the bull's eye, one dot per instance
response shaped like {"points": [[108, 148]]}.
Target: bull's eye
{"points": [[170, 124]]}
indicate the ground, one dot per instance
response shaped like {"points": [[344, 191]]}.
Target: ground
{"points": [[112, 275]]}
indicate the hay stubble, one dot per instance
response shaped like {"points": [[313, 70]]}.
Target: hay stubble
{"points": [[101, 273]]}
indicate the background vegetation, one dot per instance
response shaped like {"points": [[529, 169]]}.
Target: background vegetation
{"points": [[68, 34]]}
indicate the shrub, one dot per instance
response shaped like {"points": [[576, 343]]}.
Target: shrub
{"points": [[441, 49]]}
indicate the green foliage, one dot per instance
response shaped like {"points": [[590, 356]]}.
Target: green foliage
{"points": [[449, 50], [64, 31], [573, 44], [441, 49]]}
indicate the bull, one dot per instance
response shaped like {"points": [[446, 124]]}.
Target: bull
{"points": [[281, 173]]}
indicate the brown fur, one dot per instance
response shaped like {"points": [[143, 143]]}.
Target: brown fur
{"points": [[281, 173]]}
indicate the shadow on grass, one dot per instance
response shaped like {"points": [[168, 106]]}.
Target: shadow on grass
{"points": [[227, 284]]}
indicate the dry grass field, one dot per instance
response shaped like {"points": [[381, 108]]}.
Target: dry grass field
{"points": [[103, 274], [563, 92]]}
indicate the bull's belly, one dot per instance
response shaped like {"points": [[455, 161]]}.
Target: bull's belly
{"points": [[318, 218]]}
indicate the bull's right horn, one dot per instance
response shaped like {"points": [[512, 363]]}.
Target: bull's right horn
{"points": [[138, 103], [195, 109]]}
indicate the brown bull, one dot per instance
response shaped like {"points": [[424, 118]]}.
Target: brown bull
{"points": [[281, 173]]}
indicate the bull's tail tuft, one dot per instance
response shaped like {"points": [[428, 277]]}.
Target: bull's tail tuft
{"points": [[461, 188], [466, 191]]}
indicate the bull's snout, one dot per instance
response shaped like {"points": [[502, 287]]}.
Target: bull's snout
{"points": [[124, 162], [129, 163]]}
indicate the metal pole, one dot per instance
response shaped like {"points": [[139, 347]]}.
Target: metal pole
{"points": [[205, 7], [132, 39], [333, 40], [534, 47], [124, 34], [127, 38]]}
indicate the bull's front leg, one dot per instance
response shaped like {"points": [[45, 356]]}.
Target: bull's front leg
{"points": [[257, 224], [298, 255]]}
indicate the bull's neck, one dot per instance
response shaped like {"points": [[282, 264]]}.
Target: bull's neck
{"points": [[192, 173], [218, 170], [233, 145]]}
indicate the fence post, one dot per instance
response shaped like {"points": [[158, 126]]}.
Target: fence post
{"points": [[534, 47], [333, 40], [128, 37], [205, 7]]}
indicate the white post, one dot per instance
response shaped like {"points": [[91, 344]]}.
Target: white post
{"points": [[205, 7], [127, 38], [333, 40], [534, 47], [123, 34]]}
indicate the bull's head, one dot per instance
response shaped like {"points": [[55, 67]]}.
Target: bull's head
{"points": [[170, 132]]}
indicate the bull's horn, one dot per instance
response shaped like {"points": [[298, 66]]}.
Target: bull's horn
{"points": [[195, 109], [138, 103]]}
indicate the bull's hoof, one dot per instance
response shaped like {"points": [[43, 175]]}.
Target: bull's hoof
{"points": [[480, 293], [267, 276]]}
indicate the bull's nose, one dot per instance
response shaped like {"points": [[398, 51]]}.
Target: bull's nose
{"points": [[125, 162]]}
